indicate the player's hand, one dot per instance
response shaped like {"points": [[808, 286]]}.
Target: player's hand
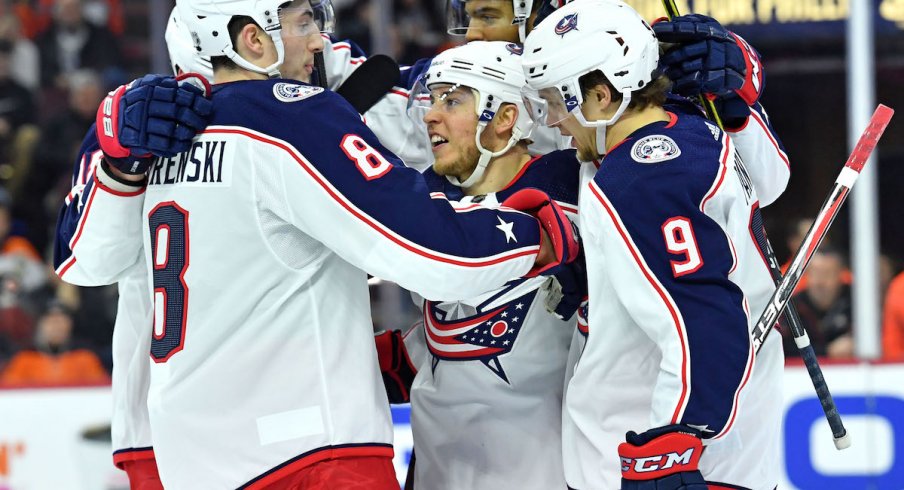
{"points": [[567, 289], [396, 367], [152, 116], [664, 458], [559, 245], [709, 59]]}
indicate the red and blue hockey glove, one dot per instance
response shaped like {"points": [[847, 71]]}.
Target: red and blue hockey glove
{"points": [[567, 289], [562, 234], [396, 367], [711, 60], [152, 116], [664, 458]]}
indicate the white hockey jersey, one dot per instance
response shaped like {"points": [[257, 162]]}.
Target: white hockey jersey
{"points": [[677, 279], [486, 403], [81, 257], [264, 358]]}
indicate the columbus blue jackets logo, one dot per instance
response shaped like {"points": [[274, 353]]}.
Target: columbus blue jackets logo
{"points": [[567, 24], [292, 92], [655, 149], [515, 49], [482, 337]]}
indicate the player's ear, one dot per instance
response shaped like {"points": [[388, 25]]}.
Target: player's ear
{"points": [[602, 93], [505, 119], [251, 40]]}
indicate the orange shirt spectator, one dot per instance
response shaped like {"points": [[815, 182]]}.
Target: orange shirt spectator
{"points": [[31, 367], [893, 320], [53, 361]]}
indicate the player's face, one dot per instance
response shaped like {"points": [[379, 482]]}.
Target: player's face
{"points": [[582, 138], [301, 37], [452, 127], [491, 20]]}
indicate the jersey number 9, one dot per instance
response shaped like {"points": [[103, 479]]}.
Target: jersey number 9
{"points": [[679, 240]]}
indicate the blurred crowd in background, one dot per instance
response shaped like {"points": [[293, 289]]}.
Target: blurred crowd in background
{"points": [[57, 60]]}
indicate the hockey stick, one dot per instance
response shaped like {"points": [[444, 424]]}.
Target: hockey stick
{"points": [[782, 295], [839, 433], [320, 69]]}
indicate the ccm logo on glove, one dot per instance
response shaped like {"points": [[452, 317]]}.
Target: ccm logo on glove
{"points": [[665, 461]]}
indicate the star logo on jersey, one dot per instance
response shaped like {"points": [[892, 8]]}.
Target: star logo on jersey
{"points": [[507, 227], [567, 24], [655, 149], [293, 92], [483, 336]]}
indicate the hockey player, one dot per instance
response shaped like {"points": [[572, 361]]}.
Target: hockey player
{"points": [[703, 58], [677, 278], [262, 198], [131, 435], [490, 368]]}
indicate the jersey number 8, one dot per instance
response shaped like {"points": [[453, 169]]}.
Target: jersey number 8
{"points": [[369, 161], [169, 251]]}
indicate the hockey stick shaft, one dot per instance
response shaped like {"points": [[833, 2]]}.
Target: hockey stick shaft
{"points": [[792, 317], [814, 237], [320, 68], [846, 179]]}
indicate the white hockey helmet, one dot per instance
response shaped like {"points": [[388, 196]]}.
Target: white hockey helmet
{"points": [[208, 22], [493, 70], [578, 38], [458, 20], [182, 51]]}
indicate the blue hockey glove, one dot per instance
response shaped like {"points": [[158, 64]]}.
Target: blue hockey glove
{"points": [[664, 458], [568, 289], [396, 367], [152, 116], [711, 60], [562, 234]]}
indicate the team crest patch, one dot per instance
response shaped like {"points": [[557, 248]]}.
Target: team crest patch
{"points": [[292, 92], [515, 49], [567, 24], [654, 149]]}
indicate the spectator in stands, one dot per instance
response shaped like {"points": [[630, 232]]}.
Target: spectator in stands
{"points": [[71, 43], [418, 29], [48, 179], [893, 319], [798, 230], [55, 359], [825, 307], [23, 280], [16, 103], [25, 58]]}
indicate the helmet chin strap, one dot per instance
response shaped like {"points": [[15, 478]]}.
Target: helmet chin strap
{"points": [[601, 126], [485, 156]]}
